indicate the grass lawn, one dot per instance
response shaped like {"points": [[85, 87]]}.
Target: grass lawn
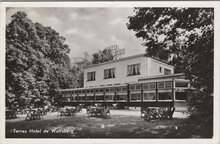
{"points": [[118, 126]]}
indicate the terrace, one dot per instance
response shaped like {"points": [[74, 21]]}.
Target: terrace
{"points": [[122, 124]]}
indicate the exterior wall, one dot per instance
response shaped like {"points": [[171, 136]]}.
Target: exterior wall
{"points": [[148, 67], [120, 72], [154, 67]]}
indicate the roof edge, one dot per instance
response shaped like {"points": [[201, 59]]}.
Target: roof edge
{"points": [[126, 58], [160, 76]]}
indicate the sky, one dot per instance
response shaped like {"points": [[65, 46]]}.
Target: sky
{"points": [[88, 29]]}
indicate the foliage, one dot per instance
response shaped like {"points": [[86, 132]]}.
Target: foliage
{"points": [[81, 62], [78, 69], [102, 56], [184, 37], [201, 106], [37, 62]]}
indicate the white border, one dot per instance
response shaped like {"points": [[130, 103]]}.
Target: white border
{"points": [[215, 4]]}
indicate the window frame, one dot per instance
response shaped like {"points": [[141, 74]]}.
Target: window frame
{"points": [[135, 92], [135, 87], [165, 84], [133, 67], [167, 71], [160, 69], [109, 95], [91, 76], [121, 94], [149, 86], [180, 100], [150, 91], [165, 91], [111, 71]]}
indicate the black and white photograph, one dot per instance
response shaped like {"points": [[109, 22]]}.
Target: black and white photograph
{"points": [[134, 72]]}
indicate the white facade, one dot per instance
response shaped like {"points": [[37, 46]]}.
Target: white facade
{"points": [[145, 66]]}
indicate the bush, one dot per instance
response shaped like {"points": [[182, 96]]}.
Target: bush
{"points": [[200, 105]]}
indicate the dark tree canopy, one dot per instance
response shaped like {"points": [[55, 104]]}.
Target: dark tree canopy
{"points": [[37, 62], [184, 37]]}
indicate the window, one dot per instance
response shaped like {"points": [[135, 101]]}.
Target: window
{"points": [[145, 86], [152, 86], [82, 98], [133, 69], [135, 87], [149, 95], [135, 96], [165, 95], [101, 90], [99, 98], [109, 97], [168, 84], [164, 85], [121, 97], [74, 98], [181, 96], [181, 84], [167, 71], [107, 90], [160, 85], [160, 69], [97, 91], [118, 89], [90, 98], [109, 73], [132, 87], [112, 89], [91, 76], [138, 87], [124, 89]]}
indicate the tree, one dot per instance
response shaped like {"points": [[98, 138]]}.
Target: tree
{"points": [[78, 69], [81, 62], [37, 62], [102, 56], [184, 37]]}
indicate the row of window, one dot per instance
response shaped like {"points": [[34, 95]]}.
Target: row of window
{"points": [[134, 87], [133, 69], [110, 73], [152, 86], [111, 89], [147, 96], [101, 98]]}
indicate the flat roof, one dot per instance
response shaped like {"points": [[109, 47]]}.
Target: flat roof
{"points": [[126, 58], [98, 87]]}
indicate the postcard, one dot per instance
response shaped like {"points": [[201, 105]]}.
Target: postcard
{"points": [[110, 72]]}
